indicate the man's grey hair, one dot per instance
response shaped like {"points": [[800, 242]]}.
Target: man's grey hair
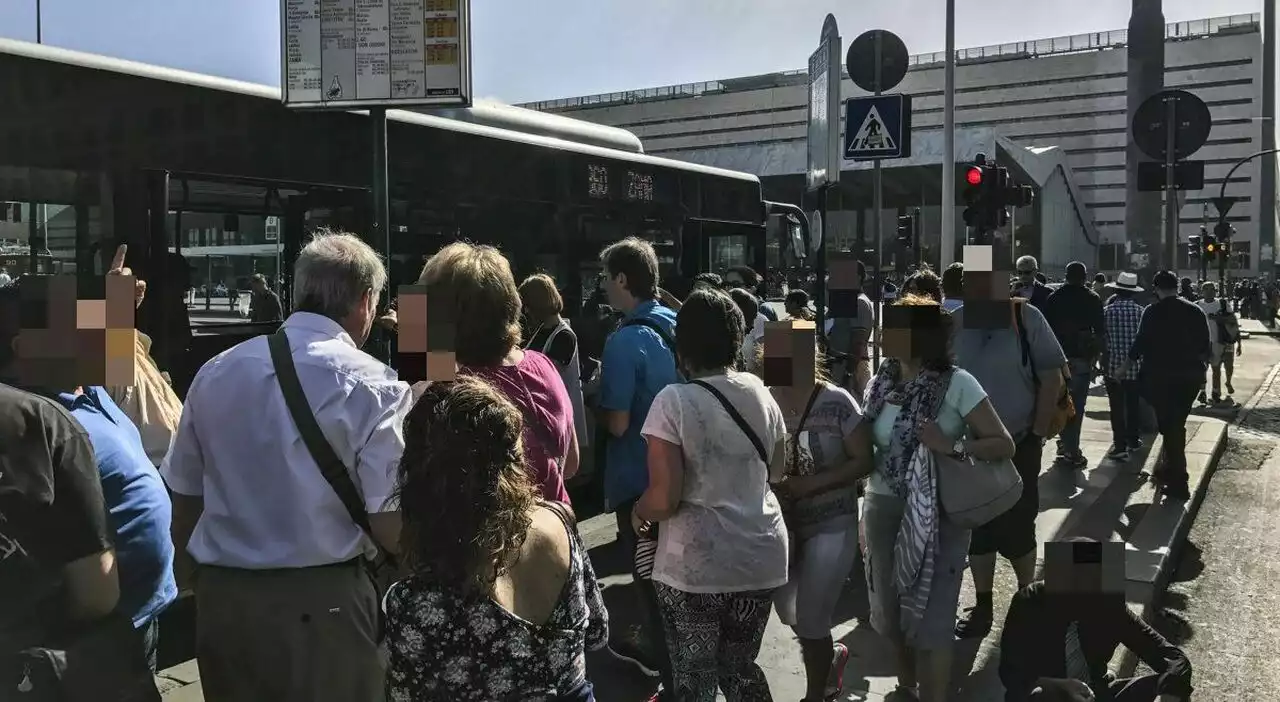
{"points": [[1028, 261], [333, 271]]}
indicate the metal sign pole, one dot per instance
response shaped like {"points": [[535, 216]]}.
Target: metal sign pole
{"points": [[877, 207], [381, 235], [1170, 195], [947, 240]]}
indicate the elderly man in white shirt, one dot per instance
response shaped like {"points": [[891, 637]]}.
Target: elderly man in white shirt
{"points": [[285, 608]]}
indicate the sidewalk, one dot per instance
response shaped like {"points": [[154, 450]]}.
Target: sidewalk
{"points": [[1106, 500]]}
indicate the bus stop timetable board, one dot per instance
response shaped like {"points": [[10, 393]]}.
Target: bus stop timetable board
{"points": [[375, 53]]}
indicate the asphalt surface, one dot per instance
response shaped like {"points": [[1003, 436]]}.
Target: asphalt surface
{"points": [[1223, 605]]}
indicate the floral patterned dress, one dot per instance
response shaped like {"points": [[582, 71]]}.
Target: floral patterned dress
{"points": [[443, 646]]}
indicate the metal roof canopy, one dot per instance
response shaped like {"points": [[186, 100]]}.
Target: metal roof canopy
{"points": [[63, 117]]}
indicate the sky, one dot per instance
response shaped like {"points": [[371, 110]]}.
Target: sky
{"points": [[528, 50]]}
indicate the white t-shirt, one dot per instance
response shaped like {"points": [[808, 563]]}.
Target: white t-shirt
{"points": [[1210, 309], [727, 534]]}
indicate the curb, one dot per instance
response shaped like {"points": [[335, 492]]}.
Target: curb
{"points": [[1125, 661]]}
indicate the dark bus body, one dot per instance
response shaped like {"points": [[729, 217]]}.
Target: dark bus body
{"points": [[149, 156]]}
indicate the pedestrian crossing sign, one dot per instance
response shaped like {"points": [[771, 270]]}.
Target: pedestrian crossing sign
{"points": [[877, 127]]}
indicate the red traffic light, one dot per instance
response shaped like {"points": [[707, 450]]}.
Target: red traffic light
{"points": [[974, 176]]}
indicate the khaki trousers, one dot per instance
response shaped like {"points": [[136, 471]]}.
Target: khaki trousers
{"points": [[288, 635]]}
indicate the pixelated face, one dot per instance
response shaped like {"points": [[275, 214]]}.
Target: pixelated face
{"points": [[914, 332], [986, 291], [1084, 568], [76, 333], [789, 354], [426, 338], [843, 286]]}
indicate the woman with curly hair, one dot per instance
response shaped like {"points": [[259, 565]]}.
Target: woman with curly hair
{"points": [[501, 602]]}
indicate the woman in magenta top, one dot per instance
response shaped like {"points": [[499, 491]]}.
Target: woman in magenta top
{"points": [[479, 290]]}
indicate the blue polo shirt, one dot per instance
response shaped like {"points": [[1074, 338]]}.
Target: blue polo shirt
{"points": [[637, 364], [137, 503]]}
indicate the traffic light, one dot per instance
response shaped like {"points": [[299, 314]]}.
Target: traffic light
{"points": [[989, 192], [906, 230], [1210, 246], [1194, 246], [975, 179]]}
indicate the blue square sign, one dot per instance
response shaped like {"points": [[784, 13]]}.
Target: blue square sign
{"points": [[877, 127]]}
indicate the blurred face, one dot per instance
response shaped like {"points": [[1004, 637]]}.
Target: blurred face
{"points": [[789, 358], [914, 332], [257, 285], [733, 280], [75, 334], [1081, 572], [986, 291]]}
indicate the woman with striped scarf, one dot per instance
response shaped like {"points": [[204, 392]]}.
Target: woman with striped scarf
{"points": [[920, 404]]}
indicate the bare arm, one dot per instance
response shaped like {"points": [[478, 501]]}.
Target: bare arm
{"points": [[991, 440], [666, 481], [92, 586], [573, 457], [385, 527], [186, 514]]}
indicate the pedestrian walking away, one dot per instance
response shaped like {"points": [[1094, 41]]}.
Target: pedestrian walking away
{"points": [[1174, 347], [1122, 317], [1075, 313]]}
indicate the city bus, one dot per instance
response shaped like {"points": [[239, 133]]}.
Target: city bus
{"points": [[219, 173]]}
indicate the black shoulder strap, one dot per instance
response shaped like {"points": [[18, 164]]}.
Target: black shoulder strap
{"points": [[657, 329], [331, 466], [737, 418], [1024, 343]]}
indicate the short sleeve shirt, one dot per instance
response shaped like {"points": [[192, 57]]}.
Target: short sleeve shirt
{"points": [[53, 509], [637, 364], [727, 534], [818, 446], [963, 394], [534, 386], [990, 355]]}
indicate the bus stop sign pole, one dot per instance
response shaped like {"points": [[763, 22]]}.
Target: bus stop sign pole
{"points": [[877, 61]]}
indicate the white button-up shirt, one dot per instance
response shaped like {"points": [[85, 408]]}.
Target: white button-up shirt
{"points": [[266, 503]]}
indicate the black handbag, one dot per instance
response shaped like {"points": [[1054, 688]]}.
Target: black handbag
{"points": [[383, 570], [103, 661]]}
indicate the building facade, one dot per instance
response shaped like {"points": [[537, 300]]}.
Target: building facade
{"points": [[1064, 95]]}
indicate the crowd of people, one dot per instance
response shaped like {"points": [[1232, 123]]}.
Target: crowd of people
{"points": [[351, 536]]}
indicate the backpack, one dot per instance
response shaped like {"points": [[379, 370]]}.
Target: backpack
{"points": [[1065, 410]]}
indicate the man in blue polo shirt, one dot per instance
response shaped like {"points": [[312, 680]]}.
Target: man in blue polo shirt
{"points": [[639, 360]]}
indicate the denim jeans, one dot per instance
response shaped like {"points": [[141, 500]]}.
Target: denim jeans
{"points": [[1081, 374]]}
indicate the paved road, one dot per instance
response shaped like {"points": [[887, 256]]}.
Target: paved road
{"points": [[1224, 605]]}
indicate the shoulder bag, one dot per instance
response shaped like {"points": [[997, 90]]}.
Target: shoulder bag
{"points": [[972, 492], [383, 569], [1065, 409], [103, 661]]}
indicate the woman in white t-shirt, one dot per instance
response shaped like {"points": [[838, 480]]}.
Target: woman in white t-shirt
{"points": [[920, 399], [722, 545]]}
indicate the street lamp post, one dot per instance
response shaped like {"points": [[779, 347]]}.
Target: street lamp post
{"points": [[39, 35]]}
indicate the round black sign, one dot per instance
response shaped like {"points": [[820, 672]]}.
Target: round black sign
{"points": [[1190, 124], [873, 48]]}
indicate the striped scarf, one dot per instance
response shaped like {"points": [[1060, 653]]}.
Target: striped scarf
{"points": [[909, 469]]}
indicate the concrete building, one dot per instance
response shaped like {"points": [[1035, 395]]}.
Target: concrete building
{"points": [[1051, 109]]}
